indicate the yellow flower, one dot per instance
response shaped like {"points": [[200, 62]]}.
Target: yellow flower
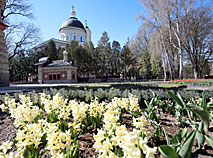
{"points": [[5, 146]]}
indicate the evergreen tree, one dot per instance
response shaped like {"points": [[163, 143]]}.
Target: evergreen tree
{"points": [[157, 68], [51, 50], [145, 68], [104, 53], [71, 48], [81, 59], [92, 60], [115, 58], [22, 65], [127, 62]]}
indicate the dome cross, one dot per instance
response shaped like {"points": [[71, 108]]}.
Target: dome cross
{"points": [[73, 13]]}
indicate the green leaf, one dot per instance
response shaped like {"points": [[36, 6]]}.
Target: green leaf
{"points": [[167, 151], [167, 137], [181, 134], [178, 99], [174, 140], [193, 123], [203, 114], [185, 151], [209, 139], [153, 93], [203, 104], [151, 102], [182, 102], [200, 134]]}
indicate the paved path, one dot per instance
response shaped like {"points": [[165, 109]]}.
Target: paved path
{"points": [[13, 88]]}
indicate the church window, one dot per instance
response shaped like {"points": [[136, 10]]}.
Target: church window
{"points": [[74, 37], [62, 37], [81, 38], [58, 76], [54, 76], [50, 77], [67, 36]]}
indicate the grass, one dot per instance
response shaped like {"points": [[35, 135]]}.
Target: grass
{"points": [[136, 85]]}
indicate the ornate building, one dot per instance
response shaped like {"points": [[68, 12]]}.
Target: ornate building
{"points": [[71, 29], [63, 71], [4, 66], [58, 71]]}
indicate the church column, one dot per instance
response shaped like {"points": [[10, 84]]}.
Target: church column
{"points": [[40, 74], [4, 66]]}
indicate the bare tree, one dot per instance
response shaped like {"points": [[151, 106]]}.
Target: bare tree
{"points": [[156, 19], [179, 37], [28, 36], [198, 38], [16, 7], [174, 10], [140, 43], [19, 35]]}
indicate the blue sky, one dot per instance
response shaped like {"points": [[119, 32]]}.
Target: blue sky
{"points": [[116, 17]]}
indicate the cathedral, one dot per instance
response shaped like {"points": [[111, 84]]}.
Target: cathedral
{"points": [[63, 71], [71, 29]]}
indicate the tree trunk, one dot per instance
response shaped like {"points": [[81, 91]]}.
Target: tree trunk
{"points": [[180, 60], [169, 65], [164, 68], [181, 67], [195, 73]]}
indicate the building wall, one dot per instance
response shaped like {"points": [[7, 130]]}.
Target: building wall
{"points": [[40, 74], [59, 45], [66, 74], [88, 34], [59, 75], [71, 30], [4, 66]]}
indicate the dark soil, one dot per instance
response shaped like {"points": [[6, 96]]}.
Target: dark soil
{"points": [[7, 129], [86, 140]]}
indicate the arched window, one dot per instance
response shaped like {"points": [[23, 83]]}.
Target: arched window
{"points": [[62, 37], [81, 38], [74, 36], [85, 38], [67, 36]]}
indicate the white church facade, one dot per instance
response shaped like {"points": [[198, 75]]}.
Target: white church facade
{"points": [[63, 71], [71, 29]]}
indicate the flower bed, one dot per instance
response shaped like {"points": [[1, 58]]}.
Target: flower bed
{"points": [[201, 82], [55, 122]]}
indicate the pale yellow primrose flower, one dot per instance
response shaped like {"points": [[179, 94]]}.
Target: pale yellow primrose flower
{"points": [[139, 123], [78, 110], [30, 134], [57, 140], [5, 146]]}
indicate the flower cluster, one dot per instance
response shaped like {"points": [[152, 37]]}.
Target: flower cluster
{"points": [[193, 79], [51, 123], [22, 112], [4, 147], [57, 140], [114, 139]]}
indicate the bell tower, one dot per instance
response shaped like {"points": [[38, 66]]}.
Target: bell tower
{"points": [[88, 31]]}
